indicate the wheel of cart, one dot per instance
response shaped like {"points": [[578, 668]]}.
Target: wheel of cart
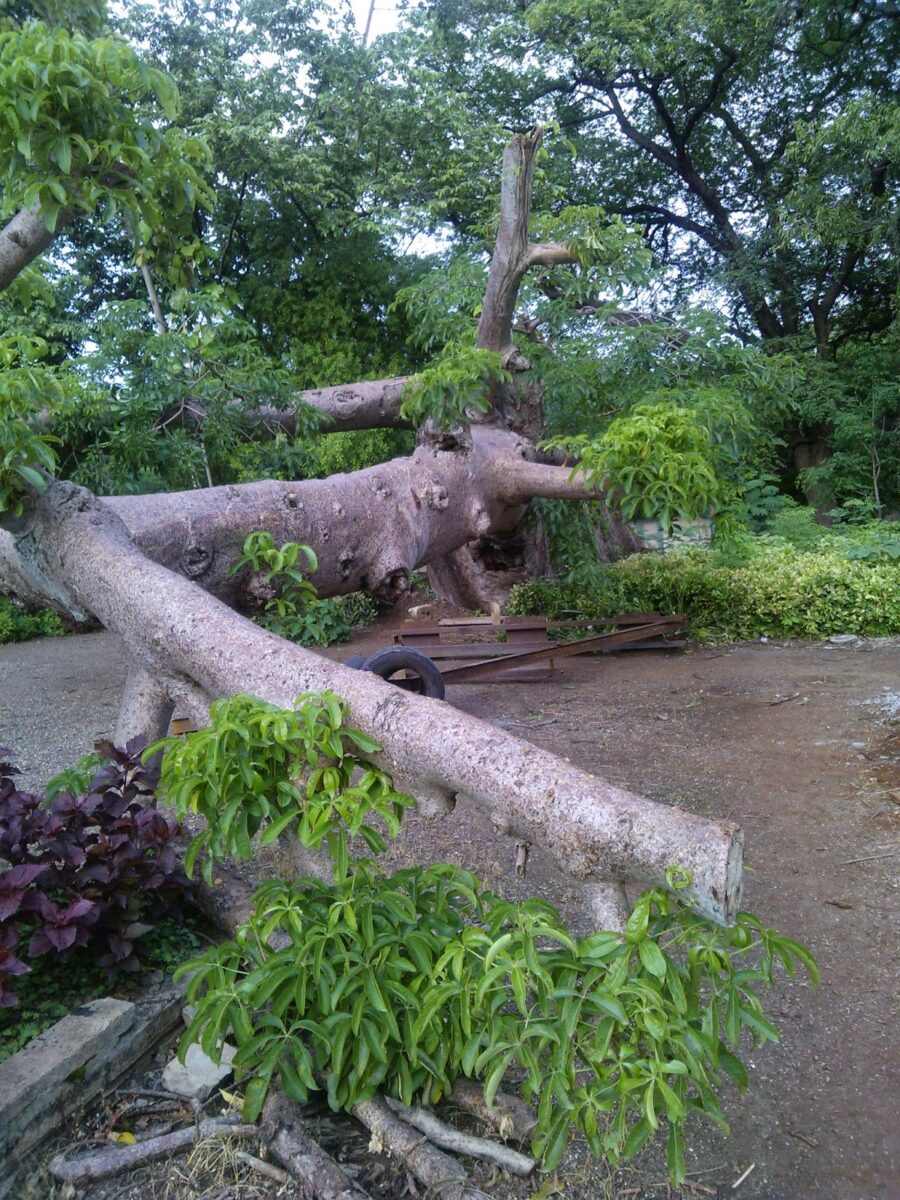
{"points": [[408, 669]]}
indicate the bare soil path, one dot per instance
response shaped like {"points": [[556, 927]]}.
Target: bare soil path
{"points": [[800, 743]]}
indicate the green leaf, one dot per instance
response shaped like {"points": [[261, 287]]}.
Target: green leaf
{"points": [[675, 1155], [255, 1098], [637, 1138], [652, 957]]}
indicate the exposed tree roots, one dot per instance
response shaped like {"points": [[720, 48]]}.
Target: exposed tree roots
{"points": [[317, 1175]]}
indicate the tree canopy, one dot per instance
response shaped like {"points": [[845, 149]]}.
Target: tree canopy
{"points": [[244, 201]]}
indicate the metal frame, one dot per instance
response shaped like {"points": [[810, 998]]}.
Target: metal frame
{"points": [[525, 648]]}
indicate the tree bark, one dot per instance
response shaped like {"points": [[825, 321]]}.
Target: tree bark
{"points": [[101, 1164], [483, 572], [23, 239], [369, 404], [178, 632], [432, 1167], [369, 529], [318, 1175], [146, 708], [448, 1138]]}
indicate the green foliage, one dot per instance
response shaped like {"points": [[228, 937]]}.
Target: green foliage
{"points": [[295, 612], [260, 553], [357, 608], [258, 768], [16, 625], [460, 381], [403, 983], [26, 456], [856, 399], [162, 411], [356, 449], [79, 125], [778, 591], [76, 779], [657, 462]]}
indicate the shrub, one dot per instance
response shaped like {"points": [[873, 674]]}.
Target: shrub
{"points": [[403, 983], [16, 625], [83, 870], [259, 767], [294, 610], [777, 592], [658, 462]]}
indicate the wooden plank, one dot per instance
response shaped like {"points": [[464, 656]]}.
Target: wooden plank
{"points": [[447, 650]]}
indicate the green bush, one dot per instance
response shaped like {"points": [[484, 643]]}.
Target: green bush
{"points": [[19, 626], [778, 591]]}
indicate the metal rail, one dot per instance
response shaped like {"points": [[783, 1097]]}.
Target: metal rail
{"points": [[468, 672]]}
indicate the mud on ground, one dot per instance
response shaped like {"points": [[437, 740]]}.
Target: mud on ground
{"points": [[799, 743]]}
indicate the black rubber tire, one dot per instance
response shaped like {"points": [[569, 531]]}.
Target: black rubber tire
{"points": [[357, 662], [426, 678]]}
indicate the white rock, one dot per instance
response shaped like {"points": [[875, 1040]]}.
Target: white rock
{"points": [[843, 639], [198, 1074]]}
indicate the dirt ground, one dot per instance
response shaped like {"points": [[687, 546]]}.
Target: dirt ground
{"points": [[799, 743]]}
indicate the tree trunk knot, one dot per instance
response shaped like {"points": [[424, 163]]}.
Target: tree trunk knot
{"points": [[196, 560], [436, 496]]}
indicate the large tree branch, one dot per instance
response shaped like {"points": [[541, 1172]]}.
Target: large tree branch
{"points": [[729, 58], [509, 261], [369, 404], [174, 629], [679, 220], [23, 239], [548, 254], [369, 529]]}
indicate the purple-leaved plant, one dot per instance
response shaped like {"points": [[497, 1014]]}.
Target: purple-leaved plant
{"points": [[84, 870]]}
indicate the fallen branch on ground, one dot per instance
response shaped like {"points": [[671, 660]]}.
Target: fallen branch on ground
{"points": [[448, 1138], [431, 1166], [509, 1115], [101, 1164]]}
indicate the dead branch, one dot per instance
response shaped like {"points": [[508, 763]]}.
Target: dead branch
{"points": [[319, 1177], [101, 1164], [431, 1166], [448, 1138]]}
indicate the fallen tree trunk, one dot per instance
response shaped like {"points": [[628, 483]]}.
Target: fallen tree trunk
{"points": [[370, 529], [199, 649]]}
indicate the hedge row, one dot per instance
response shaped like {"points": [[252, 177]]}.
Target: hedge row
{"points": [[780, 592]]}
